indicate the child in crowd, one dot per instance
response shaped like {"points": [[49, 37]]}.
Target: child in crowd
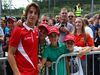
{"points": [[74, 62], [43, 32], [53, 51]]}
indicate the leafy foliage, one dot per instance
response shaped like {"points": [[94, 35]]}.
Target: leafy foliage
{"points": [[52, 7]]}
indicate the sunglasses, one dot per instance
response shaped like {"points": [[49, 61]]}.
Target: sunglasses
{"points": [[71, 16]]}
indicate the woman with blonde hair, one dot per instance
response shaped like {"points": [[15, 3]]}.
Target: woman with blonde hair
{"points": [[82, 39]]}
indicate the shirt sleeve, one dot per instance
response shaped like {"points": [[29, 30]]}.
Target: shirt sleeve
{"points": [[89, 31], [90, 40], [77, 48], [15, 37]]}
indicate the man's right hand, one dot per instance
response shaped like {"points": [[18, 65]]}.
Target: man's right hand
{"points": [[63, 29], [18, 23]]}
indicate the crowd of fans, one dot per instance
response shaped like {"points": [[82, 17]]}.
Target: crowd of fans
{"points": [[56, 36]]}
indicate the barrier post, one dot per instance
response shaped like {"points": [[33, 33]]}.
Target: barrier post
{"points": [[4, 64], [74, 54], [47, 71]]}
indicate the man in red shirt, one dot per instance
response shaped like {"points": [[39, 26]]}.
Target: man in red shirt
{"points": [[23, 46]]}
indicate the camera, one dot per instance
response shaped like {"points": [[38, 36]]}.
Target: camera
{"points": [[62, 24]]}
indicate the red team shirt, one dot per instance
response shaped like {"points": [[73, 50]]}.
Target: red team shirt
{"points": [[25, 40], [79, 41]]}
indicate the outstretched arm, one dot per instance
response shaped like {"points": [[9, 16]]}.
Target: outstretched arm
{"points": [[84, 51]]}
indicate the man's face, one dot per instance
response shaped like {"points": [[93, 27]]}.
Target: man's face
{"points": [[71, 18], [32, 16], [64, 15], [45, 20]]}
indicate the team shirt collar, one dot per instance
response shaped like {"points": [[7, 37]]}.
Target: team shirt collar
{"points": [[27, 27]]}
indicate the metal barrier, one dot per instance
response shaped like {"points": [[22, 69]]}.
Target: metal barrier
{"points": [[57, 61], [3, 59], [74, 54]]}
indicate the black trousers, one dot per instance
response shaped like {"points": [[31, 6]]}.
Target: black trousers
{"points": [[96, 64]]}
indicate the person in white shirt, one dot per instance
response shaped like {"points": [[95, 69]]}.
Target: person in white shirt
{"points": [[87, 28], [74, 64]]}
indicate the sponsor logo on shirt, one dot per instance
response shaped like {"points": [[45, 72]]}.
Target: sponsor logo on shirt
{"points": [[27, 38]]}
